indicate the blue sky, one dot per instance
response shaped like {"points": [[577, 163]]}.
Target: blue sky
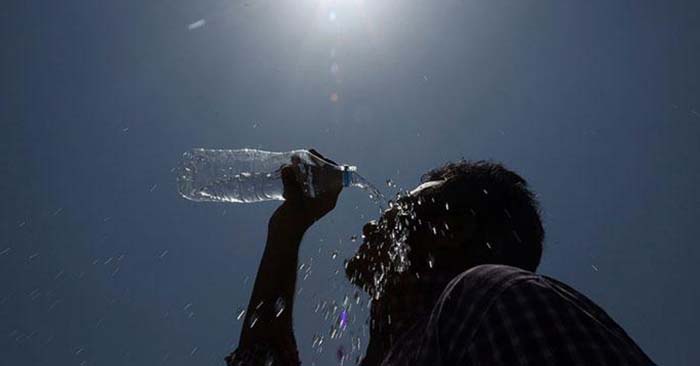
{"points": [[596, 103]]}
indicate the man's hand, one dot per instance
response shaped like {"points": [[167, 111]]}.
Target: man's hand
{"points": [[298, 208]]}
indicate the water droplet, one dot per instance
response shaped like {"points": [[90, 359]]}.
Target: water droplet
{"points": [[447, 206], [357, 345], [353, 238], [334, 255], [198, 24], [317, 341], [253, 320], [594, 267], [241, 312], [517, 237], [279, 307]]}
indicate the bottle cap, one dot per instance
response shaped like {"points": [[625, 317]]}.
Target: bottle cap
{"points": [[347, 174]]}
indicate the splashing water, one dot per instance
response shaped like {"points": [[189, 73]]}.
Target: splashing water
{"points": [[279, 307], [253, 320], [374, 194]]}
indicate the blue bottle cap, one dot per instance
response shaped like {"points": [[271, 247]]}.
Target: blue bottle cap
{"points": [[347, 174]]}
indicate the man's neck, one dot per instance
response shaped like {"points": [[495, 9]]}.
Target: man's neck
{"points": [[398, 310]]}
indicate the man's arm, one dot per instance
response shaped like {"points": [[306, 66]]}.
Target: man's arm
{"points": [[268, 322], [274, 288]]}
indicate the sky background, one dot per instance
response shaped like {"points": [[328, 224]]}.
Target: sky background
{"points": [[596, 103]]}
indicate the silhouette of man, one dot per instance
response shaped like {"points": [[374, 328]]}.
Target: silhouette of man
{"points": [[450, 268]]}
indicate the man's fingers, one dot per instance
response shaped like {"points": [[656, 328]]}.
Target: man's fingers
{"points": [[292, 188], [316, 154]]}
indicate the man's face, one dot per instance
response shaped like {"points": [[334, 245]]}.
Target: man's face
{"points": [[406, 239]]}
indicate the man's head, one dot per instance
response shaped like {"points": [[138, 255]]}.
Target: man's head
{"points": [[462, 215]]}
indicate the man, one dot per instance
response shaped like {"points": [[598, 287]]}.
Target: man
{"points": [[450, 271]]}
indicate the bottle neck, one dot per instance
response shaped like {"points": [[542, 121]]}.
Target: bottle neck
{"points": [[348, 171]]}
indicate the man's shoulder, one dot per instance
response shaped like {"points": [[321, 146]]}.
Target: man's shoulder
{"points": [[487, 278], [491, 270], [469, 294], [551, 321], [472, 292]]}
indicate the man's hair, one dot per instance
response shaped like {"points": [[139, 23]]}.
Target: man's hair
{"points": [[508, 227]]}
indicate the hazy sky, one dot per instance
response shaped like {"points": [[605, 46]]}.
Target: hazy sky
{"points": [[596, 103]]}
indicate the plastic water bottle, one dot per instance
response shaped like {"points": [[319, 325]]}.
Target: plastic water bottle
{"points": [[249, 175]]}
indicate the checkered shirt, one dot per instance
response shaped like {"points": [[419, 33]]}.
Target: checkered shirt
{"points": [[495, 315], [503, 316]]}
